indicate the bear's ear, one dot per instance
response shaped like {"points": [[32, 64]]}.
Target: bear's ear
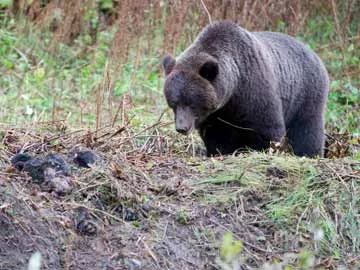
{"points": [[168, 63], [209, 70]]}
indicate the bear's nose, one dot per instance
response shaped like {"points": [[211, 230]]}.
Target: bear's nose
{"points": [[184, 120], [182, 130], [183, 126]]}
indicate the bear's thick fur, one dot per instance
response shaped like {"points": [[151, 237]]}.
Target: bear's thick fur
{"points": [[243, 89]]}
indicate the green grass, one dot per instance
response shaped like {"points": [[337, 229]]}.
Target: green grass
{"points": [[343, 65], [309, 201], [37, 85], [36, 82]]}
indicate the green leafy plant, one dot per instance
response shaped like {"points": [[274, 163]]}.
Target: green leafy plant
{"points": [[230, 248], [183, 217], [6, 3]]}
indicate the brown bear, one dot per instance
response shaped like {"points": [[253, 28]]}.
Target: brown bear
{"points": [[243, 89]]}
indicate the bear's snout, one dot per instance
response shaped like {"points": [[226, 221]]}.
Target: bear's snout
{"points": [[184, 120], [182, 130]]}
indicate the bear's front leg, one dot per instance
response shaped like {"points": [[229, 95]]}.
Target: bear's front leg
{"points": [[222, 138]]}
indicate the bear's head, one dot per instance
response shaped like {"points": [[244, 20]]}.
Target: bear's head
{"points": [[190, 91]]}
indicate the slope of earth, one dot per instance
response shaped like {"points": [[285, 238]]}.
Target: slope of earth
{"points": [[141, 205]]}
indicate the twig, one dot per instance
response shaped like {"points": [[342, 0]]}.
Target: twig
{"points": [[92, 186], [165, 230], [50, 139], [235, 126], [152, 126], [98, 106], [207, 11], [94, 210], [300, 218], [22, 55], [348, 39], [193, 145], [340, 34], [149, 251], [338, 176]]}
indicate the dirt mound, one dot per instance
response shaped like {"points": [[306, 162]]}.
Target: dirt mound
{"points": [[143, 207]]}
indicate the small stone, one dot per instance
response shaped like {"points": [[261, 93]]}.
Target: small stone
{"points": [[83, 157], [136, 263], [36, 166], [86, 227], [57, 182], [84, 224], [57, 161], [129, 215], [276, 172], [19, 159]]}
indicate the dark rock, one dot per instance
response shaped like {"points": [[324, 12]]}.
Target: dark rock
{"points": [[57, 162], [148, 206], [35, 167], [83, 157], [276, 172], [86, 227], [57, 182], [19, 159], [99, 204], [126, 213], [84, 224], [129, 215]]}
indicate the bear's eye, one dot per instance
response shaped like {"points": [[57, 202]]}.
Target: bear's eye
{"points": [[209, 70]]}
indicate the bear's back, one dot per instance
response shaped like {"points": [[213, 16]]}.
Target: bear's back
{"points": [[300, 72]]}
